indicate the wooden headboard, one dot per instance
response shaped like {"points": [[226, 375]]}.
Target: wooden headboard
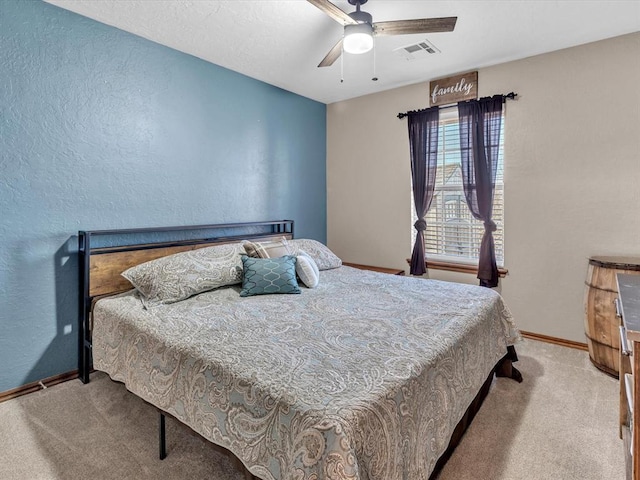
{"points": [[101, 266]]}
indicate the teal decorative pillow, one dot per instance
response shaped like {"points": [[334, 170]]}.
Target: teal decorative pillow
{"points": [[263, 276]]}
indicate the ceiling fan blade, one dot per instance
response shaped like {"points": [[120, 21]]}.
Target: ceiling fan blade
{"points": [[334, 12], [420, 25], [332, 56]]}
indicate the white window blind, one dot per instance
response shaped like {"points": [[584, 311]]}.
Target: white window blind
{"points": [[452, 233]]}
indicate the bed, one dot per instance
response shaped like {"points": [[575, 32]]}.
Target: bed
{"points": [[364, 377]]}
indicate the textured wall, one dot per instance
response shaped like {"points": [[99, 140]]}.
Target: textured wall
{"points": [[102, 129], [572, 176]]}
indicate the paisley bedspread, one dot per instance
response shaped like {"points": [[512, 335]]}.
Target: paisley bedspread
{"points": [[364, 377]]}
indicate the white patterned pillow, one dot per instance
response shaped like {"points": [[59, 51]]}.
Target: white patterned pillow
{"points": [[324, 258], [307, 269], [182, 275]]}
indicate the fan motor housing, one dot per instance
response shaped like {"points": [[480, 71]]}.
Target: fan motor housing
{"points": [[361, 17]]}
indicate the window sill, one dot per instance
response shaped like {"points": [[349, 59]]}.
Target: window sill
{"points": [[459, 267]]}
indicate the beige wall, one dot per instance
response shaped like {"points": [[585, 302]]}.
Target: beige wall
{"points": [[572, 176]]}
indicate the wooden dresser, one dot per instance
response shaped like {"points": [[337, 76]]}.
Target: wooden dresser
{"points": [[628, 309]]}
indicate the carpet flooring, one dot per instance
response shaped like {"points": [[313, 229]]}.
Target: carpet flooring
{"points": [[561, 423]]}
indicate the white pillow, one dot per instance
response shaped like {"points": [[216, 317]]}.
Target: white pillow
{"points": [[307, 269]]}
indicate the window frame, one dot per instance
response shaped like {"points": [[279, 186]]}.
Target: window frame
{"points": [[459, 263]]}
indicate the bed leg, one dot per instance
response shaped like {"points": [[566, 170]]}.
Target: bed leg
{"points": [[162, 440], [85, 361], [505, 367]]}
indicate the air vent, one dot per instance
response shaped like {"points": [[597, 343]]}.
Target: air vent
{"points": [[416, 51]]}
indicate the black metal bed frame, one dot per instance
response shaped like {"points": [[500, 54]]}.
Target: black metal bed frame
{"points": [[85, 251]]}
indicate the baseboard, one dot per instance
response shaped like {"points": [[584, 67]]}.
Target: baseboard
{"points": [[555, 340], [39, 385]]}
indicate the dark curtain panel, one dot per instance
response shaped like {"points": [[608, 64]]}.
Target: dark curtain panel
{"points": [[480, 122], [423, 141]]}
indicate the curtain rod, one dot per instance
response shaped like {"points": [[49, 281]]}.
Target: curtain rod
{"points": [[510, 95]]}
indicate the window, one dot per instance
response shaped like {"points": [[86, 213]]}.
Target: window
{"points": [[452, 233]]}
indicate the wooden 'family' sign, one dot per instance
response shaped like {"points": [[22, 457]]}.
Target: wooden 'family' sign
{"points": [[453, 89]]}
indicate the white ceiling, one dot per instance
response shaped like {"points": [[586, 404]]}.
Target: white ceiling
{"points": [[281, 42]]}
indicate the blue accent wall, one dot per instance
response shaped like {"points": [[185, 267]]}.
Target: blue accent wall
{"points": [[101, 129]]}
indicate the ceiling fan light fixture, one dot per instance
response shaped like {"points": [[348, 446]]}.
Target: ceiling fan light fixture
{"points": [[358, 38]]}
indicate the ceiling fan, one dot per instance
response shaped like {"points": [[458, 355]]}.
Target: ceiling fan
{"points": [[359, 28]]}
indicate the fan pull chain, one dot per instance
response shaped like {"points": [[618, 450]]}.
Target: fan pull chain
{"points": [[374, 78], [342, 64]]}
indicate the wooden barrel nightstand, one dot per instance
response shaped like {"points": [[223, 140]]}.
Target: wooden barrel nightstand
{"points": [[600, 322]]}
